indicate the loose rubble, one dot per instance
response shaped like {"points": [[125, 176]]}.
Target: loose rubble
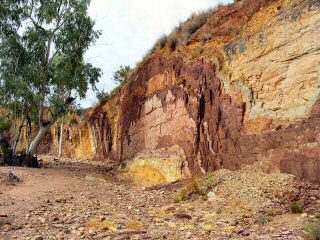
{"points": [[85, 200]]}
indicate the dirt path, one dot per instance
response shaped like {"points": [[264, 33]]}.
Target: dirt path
{"points": [[84, 201]]}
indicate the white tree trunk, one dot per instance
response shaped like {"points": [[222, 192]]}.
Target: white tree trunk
{"points": [[16, 141], [37, 140], [60, 140]]}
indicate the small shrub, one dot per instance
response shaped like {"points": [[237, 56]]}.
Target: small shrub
{"points": [[196, 23], [312, 232], [102, 95], [263, 219], [206, 37], [73, 122], [197, 188], [231, 31], [296, 208], [161, 43], [210, 179], [189, 191], [173, 43]]}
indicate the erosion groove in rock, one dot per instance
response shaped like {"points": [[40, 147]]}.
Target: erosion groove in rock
{"points": [[249, 94]]}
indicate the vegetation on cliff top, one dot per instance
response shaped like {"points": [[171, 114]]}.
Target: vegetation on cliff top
{"points": [[120, 77], [181, 35]]}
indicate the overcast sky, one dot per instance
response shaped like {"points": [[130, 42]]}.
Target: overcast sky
{"points": [[129, 30]]}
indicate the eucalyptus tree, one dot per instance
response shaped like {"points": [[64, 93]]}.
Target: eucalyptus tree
{"points": [[42, 47]]}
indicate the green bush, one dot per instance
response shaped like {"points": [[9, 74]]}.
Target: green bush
{"points": [[102, 95], [190, 190], [312, 232], [296, 208], [263, 219], [4, 125], [197, 188]]}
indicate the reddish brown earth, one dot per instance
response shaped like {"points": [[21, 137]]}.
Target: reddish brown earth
{"points": [[84, 200]]}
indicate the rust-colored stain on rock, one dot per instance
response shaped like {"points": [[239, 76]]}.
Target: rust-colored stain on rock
{"points": [[239, 98]]}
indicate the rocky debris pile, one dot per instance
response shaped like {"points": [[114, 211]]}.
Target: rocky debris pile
{"points": [[74, 201], [250, 191]]}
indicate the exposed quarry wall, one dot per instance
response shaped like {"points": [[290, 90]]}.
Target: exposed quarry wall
{"points": [[249, 94]]}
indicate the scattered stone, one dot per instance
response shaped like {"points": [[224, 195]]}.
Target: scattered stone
{"points": [[113, 210], [95, 178], [41, 219], [61, 200], [183, 216], [243, 232]]}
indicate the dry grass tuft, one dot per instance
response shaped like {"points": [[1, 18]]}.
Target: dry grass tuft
{"points": [[312, 232], [196, 188]]}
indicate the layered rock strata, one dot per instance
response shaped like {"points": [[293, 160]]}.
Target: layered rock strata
{"points": [[250, 93]]}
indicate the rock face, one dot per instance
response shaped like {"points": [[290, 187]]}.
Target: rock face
{"points": [[249, 94]]}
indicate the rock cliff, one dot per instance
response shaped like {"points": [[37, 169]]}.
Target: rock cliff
{"points": [[248, 93]]}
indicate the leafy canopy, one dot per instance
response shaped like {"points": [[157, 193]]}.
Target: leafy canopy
{"points": [[42, 46]]}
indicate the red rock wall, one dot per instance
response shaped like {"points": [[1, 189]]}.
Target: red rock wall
{"points": [[242, 97]]}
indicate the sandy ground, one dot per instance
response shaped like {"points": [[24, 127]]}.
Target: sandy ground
{"points": [[82, 200]]}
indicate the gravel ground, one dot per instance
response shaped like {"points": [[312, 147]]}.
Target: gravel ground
{"points": [[85, 200]]}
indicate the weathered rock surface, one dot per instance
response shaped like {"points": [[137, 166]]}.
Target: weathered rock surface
{"points": [[249, 94]]}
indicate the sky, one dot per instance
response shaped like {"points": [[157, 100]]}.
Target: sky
{"points": [[130, 28]]}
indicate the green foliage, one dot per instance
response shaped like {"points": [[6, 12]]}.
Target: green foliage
{"points": [[42, 47], [5, 124], [73, 122], [102, 95], [263, 219], [43, 63], [296, 208], [312, 232], [122, 75]]}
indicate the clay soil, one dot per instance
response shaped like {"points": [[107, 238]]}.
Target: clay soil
{"points": [[85, 200]]}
